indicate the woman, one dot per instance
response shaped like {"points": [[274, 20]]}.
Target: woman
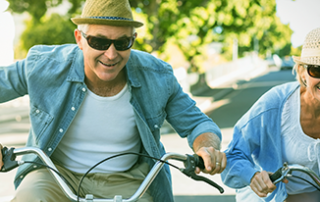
{"points": [[282, 126]]}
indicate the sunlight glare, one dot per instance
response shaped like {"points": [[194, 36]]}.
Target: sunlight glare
{"points": [[6, 35]]}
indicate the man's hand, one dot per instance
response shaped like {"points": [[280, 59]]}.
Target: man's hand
{"points": [[1, 162], [207, 146]]}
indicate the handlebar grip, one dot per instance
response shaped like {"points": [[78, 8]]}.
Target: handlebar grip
{"points": [[198, 161], [276, 175]]}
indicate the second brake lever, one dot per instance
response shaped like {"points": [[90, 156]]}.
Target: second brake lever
{"points": [[280, 174], [190, 165], [9, 159]]}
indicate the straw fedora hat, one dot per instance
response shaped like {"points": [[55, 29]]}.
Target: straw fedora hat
{"points": [[310, 53], [107, 12]]}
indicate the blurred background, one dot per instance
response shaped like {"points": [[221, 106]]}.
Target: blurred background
{"points": [[191, 34], [225, 54]]}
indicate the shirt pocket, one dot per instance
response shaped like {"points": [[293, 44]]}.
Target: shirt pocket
{"points": [[40, 121], [155, 123]]}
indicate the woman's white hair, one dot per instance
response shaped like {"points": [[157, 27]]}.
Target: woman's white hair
{"points": [[299, 69]]}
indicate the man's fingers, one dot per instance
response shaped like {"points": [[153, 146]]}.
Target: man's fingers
{"points": [[205, 154], [222, 162], [214, 160], [1, 162]]}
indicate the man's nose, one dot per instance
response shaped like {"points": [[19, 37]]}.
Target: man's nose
{"points": [[112, 52]]}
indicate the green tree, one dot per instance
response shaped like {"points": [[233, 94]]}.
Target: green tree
{"points": [[193, 24], [55, 29], [36, 8]]}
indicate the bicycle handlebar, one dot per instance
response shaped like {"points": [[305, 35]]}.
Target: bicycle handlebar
{"points": [[286, 171], [190, 163]]}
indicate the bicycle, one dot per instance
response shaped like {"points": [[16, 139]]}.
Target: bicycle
{"points": [[190, 163], [286, 172]]}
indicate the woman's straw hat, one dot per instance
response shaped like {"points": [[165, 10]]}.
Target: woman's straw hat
{"points": [[107, 12], [310, 53]]}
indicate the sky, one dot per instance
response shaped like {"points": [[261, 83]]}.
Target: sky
{"points": [[303, 16]]}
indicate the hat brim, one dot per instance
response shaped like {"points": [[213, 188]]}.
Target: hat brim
{"points": [[132, 23], [304, 61], [297, 59]]}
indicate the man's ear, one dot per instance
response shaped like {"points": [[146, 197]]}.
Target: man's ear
{"points": [[78, 37]]}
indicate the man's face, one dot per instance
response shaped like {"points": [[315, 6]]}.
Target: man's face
{"points": [[104, 66]]}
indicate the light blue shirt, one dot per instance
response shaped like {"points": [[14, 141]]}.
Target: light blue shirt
{"points": [[256, 144], [53, 76]]}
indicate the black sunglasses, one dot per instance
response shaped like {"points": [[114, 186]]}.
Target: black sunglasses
{"points": [[104, 43], [313, 70]]}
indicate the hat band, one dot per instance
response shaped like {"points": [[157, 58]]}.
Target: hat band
{"points": [[310, 53], [110, 18]]}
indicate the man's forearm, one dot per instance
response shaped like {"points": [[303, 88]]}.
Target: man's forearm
{"points": [[207, 140]]}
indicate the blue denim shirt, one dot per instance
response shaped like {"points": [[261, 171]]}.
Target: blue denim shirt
{"points": [[256, 144], [53, 76]]}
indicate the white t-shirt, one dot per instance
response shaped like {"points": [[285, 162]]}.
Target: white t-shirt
{"points": [[103, 127], [298, 148]]}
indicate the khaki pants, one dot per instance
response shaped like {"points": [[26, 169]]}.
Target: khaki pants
{"points": [[39, 185]]}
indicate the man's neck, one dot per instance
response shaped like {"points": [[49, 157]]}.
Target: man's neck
{"points": [[107, 89]]}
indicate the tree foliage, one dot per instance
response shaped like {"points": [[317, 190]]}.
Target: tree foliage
{"points": [[193, 24], [54, 29]]}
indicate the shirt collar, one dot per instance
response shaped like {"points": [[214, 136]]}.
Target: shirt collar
{"points": [[76, 73]]}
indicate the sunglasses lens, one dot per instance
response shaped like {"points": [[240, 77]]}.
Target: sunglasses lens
{"points": [[104, 43], [98, 43], [123, 44], [314, 71]]}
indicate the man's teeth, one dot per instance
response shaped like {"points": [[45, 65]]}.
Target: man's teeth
{"points": [[109, 65]]}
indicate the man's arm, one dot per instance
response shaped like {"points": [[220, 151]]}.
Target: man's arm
{"points": [[207, 145]]}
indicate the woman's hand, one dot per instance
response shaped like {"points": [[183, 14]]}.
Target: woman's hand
{"points": [[261, 183]]}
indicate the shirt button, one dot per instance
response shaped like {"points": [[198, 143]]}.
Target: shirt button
{"points": [[60, 130], [34, 166], [21, 176], [50, 149], [37, 111], [156, 126], [83, 89], [72, 108]]}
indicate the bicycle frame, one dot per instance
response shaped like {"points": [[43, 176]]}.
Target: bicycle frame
{"points": [[140, 191]]}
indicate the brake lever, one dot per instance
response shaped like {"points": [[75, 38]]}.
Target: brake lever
{"points": [[190, 165], [8, 158]]}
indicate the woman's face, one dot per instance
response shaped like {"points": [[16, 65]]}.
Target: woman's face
{"points": [[312, 84]]}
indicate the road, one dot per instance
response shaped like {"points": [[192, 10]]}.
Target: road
{"points": [[236, 103], [225, 112]]}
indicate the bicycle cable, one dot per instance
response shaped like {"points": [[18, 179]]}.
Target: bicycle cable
{"points": [[77, 192], [117, 155], [306, 181]]}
